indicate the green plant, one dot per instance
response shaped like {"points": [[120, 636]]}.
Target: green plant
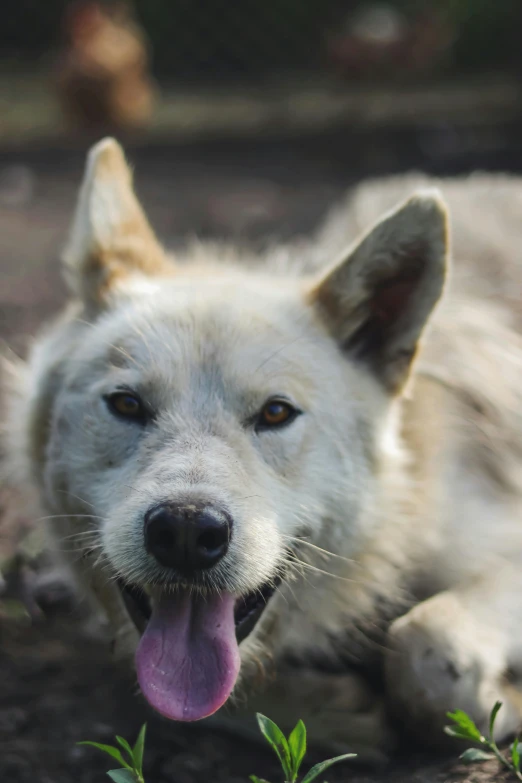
{"points": [[291, 751], [465, 729], [131, 771]]}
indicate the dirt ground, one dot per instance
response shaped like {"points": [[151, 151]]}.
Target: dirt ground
{"points": [[57, 686]]}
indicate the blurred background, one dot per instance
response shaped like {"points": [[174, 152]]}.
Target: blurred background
{"points": [[202, 68], [243, 120]]}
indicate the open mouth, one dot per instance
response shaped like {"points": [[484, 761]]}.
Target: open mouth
{"points": [[247, 610], [188, 659]]}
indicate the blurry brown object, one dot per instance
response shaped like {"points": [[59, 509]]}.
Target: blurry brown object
{"points": [[380, 39], [102, 76]]}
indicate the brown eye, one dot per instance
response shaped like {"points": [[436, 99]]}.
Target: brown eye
{"points": [[276, 413], [126, 406]]}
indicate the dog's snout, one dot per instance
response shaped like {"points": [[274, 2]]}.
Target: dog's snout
{"points": [[187, 538]]}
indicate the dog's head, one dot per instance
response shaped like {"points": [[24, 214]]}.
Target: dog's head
{"points": [[207, 418]]}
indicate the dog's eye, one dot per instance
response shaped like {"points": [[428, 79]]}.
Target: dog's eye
{"points": [[276, 413], [126, 406]]}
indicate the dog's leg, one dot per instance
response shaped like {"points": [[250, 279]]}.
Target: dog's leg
{"points": [[460, 649]]}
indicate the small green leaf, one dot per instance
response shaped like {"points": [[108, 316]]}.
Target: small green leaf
{"points": [[466, 729], [255, 779], [471, 755], [515, 755], [319, 768], [297, 746], [139, 747], [125, 745], [493, 716], [122, 776], [275, 737], [110, 750]]}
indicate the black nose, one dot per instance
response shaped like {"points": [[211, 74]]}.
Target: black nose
{"points": [[187, 538]]}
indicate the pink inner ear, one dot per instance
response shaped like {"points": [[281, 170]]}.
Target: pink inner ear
{"points": [[392, 299]]}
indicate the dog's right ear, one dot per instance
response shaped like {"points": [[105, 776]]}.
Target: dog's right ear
{"points": [[111, 238]]}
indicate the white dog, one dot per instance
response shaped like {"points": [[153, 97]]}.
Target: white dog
{"points": [[260, 481]]}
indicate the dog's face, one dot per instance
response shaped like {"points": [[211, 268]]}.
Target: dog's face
{"points": [[208, 419]]}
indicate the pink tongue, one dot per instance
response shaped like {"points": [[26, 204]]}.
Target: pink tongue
{"points": [[188, 658]]}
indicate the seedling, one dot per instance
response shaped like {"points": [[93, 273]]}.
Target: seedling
{"points": [[465, 729], [131, 759], [291, 751]]}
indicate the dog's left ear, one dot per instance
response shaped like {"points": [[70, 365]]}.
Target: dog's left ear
{"points": [[111, 238], [377, 300]]}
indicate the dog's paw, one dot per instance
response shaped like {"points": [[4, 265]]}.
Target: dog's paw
{"points": [[439, 660]]}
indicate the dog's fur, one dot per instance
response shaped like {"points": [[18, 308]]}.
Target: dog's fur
{"points": [[393, 504]]}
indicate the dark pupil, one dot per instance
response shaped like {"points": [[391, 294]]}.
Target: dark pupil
{"points": [[129, 403], [274, 411]]}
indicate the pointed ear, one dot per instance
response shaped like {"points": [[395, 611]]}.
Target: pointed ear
{"points": [[110, 237], [377, 301]]}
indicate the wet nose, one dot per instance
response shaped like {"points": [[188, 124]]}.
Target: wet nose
{"points": [[187, 538]]}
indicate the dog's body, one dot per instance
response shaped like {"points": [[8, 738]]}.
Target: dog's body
{"points": [[388, 502]]}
